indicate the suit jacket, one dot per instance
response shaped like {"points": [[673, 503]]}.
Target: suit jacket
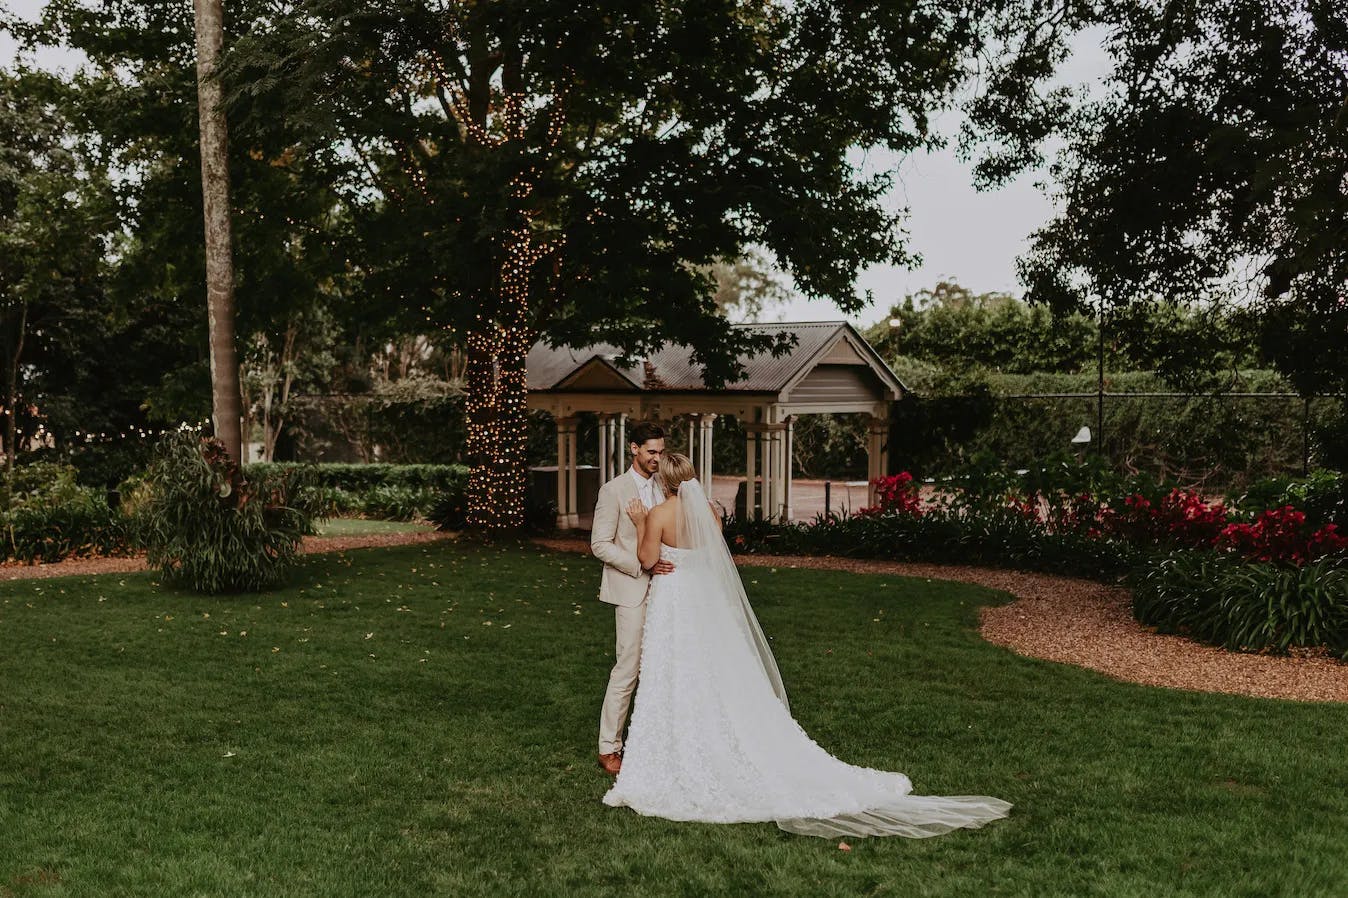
{"points": [[613, 539]]}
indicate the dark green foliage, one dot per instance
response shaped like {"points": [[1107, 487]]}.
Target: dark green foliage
{"points": [[357, 478], [211, 528], [952, 327], [1209, 168], [995, 537], [1323, 496], [1215, 440], [1245, 606], [398, 503], [51, 517], [385, 491]]}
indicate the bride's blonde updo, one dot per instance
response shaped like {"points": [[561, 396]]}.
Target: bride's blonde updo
{"points": [[674, 469]]}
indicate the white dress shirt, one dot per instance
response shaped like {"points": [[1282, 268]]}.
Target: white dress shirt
{"points": [[646, 490]]}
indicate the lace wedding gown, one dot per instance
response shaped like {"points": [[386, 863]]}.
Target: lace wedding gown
{"points": [[712, 738]]}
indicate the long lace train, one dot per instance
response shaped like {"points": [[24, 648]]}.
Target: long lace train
{"points": [[711, 736]]}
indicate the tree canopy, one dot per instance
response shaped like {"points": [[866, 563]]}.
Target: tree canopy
{"points": [[1212, 166]]}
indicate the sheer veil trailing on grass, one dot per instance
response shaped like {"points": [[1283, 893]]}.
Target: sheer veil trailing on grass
{"points": [[712, 738]]}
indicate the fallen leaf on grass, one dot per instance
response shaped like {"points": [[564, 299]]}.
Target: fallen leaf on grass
{"points": [[843, 846]]}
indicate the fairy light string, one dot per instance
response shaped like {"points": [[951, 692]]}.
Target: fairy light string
{"points": [[498, 344]]}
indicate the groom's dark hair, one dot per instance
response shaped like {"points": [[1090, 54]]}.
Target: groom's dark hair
{"points": [[645, 430]]}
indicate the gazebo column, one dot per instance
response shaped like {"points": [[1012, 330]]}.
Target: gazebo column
{"points": [[751, 511], [605, 448], [694, 431], [768, 473], [788, 434], [704, 447], [567, 517], [877, 455], [774, 471]]}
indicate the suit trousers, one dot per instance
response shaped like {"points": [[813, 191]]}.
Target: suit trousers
{"points": [[622, 680]]}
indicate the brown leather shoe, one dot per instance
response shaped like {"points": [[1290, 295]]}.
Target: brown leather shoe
{"points": [[611, 763]]}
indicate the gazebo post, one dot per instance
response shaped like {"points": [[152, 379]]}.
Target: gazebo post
{"points": [[605, 447], [566, 473], [694, 425], [789, 433], [751, 512], [572, 513], [877, 454], [704, 450], [622, 443], [769, 501]]}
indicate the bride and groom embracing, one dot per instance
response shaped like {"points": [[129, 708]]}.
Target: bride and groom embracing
{"points": [[712, 738]]}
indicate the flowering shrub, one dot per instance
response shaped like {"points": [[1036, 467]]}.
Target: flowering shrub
{"points": [[1180, 518], [897, 494], [1281, 534]]}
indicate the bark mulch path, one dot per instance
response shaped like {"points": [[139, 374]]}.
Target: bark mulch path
{"points": [[74, 567], [1088, 624]]}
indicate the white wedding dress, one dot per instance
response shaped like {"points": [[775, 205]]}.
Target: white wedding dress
{"points": [[712, 738]]}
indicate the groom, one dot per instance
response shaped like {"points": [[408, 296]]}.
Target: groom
{"points": [[613, 540]]}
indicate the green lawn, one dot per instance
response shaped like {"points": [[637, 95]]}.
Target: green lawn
{"points": [[421, 721], [362, 527]]}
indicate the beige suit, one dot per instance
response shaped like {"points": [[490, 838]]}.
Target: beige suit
{"points": [[613, 539]]}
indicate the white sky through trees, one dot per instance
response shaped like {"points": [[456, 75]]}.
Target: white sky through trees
{"points": [[960, 233]]}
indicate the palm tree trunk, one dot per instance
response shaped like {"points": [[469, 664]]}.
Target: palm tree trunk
{"points": [[226, 405]]}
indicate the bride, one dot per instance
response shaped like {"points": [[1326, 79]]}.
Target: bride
{"points": [[712, 738]]}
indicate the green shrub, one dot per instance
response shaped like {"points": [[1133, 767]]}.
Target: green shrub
{"points": [[1323, 496], [382, 491], [208, 527], [78, 523], [50, 517], [398, 503], [1223, 600], [994, 537], [357, 478]]}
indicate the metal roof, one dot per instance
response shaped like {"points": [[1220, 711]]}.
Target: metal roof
{"points": [[671, 369]]}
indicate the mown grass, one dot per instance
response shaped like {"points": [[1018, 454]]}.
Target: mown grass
{"points": [[421, 721]]}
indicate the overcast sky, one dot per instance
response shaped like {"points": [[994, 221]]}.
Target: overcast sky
{"points": [[960, 234]]}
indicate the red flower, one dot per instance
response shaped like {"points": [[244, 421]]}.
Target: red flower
{"points": [[898, 494]]}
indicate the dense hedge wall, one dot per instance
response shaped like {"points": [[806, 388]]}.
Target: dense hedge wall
{"points": [[1215, 440]]}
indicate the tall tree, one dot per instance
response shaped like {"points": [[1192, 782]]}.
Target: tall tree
{"points": [[53, 224], [136, 101], [527, 168], [1212, 166], [226, 405]]}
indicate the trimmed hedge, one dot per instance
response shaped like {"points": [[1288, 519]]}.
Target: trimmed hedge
{"points": [[956, 416], [1246, 606], [383, 491], [357, 478]]}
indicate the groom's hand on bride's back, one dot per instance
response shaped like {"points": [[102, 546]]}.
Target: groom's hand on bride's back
{"points": [[662, 567]]}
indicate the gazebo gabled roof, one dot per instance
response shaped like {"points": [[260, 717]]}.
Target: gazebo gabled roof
{"points": [[670, 370]]}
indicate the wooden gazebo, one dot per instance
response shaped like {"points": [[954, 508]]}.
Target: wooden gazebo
{"points": [[831, 370]]}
